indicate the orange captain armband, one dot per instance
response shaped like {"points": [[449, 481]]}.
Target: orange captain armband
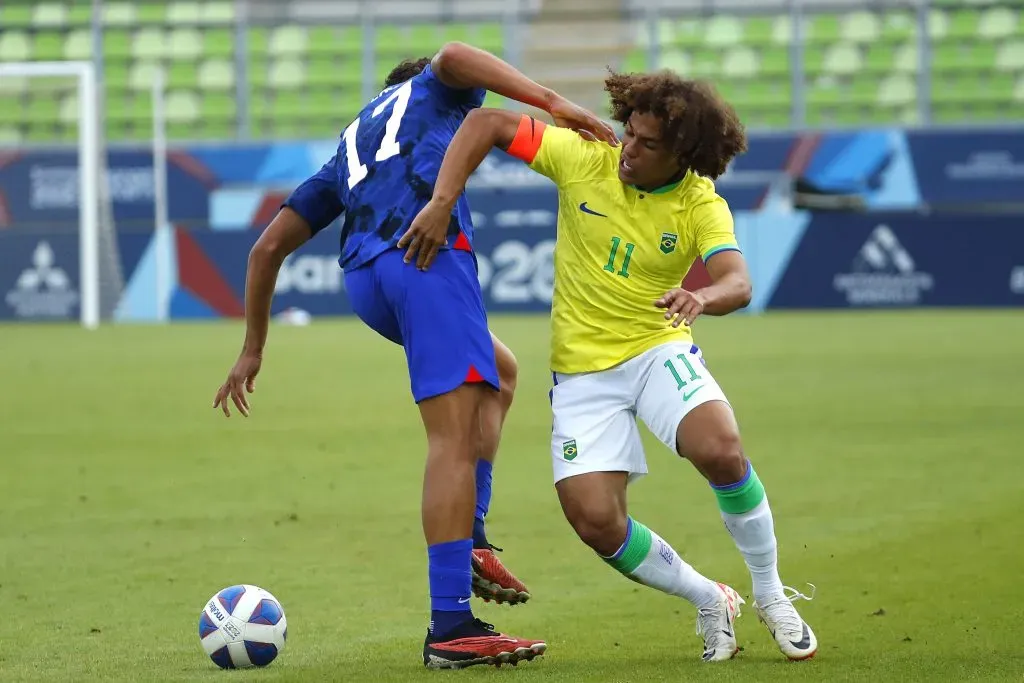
{"points": [[526, 143]]}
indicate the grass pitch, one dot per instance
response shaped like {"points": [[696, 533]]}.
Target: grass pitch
{"points": [[890, 445]]}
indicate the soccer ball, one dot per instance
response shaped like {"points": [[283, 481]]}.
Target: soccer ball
{"points": [[242, 626]]}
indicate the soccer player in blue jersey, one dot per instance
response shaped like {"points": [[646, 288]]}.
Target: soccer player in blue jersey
{"points": [[381, 176]]}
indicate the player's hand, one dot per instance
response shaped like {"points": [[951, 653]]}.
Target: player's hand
{"points": [[427, 234], [241, 379], [681, 306], [586, 123]]}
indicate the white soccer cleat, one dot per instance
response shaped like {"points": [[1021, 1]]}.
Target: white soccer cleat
{"points": [[792, 634], [718, 625]]}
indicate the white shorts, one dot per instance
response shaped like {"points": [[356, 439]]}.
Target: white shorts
{"points": [[595, 428]]}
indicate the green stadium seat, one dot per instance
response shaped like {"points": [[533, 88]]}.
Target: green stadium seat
{"points": [[1018, 90], [142, 75], [758, 31], [185, 44], [184, 13], [117, 74], [687, 33], [823, 29], [860, 27], [287, 74], [48, 47], [288, 41], [740, 62], [907, 59], [775, 61], [116, 44], [782, 30], [11, 109], [323, 40], [814, 60], [843, 59], [287, 105], [217, 129], [998, 22], [69, 109], [14, 46], [181, 131], [80, 14], [15, 15], [78, 44], [258, 40], [182, 75], [219, 107], [13, 85], [899, 27], [49, 14], [938, 24], [723, 30], [216, 74], [897, 90], [218, 42], [43, 109], [422, 39], [880, 59], [151, 13], [119, 13], [149, 43], [963, 24], [1010, 56], [182, 106], [10, 134], [217, 12]]}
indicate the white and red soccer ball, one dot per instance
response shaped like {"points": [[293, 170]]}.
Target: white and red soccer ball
{"points": [[242, 626]]}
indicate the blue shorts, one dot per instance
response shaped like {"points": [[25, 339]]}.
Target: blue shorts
{"points": [[438, 316]]}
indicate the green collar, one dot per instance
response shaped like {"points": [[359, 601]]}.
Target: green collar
{"points": [[664, 189]]}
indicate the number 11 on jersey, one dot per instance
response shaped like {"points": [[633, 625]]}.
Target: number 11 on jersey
{"points": [[389, 147]]}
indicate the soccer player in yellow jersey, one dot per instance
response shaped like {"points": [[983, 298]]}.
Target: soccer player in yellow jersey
{"points": [[632, 219]]}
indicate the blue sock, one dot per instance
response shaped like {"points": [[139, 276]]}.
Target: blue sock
{"points": [[483, 502], [450, 584]]}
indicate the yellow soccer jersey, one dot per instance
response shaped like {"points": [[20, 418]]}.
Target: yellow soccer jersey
{"points": [[618, 249]]}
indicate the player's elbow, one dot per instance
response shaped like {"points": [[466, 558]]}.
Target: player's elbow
{"points": [[744, 293], [450, 64]]}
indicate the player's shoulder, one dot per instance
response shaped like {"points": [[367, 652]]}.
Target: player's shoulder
{"points": [[594, 156], [698, 199]]}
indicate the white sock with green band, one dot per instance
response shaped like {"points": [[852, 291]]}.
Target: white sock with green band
{"points": [[646, 558], [748, 518]]}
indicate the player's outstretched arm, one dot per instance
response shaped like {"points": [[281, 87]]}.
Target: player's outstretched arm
{"points": [[481, 131], [458, 65], [286, 233]]}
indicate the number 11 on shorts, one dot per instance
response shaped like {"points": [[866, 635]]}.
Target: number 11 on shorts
{"points": [[680, 382]]}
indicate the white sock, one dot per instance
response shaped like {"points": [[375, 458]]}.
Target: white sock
{"points": [[648, 559], [754, 533]]}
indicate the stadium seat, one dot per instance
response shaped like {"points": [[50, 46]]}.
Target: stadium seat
{"points": [[14, 46], [78, 44], [49, 14], [216, 74]]}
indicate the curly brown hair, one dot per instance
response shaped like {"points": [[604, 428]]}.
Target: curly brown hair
{"points": [[405, 70], [702, 129]]}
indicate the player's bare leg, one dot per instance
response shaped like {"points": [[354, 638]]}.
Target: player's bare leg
{"points": [[709, 437], [455, 639], [595, 506], [491, 580]]}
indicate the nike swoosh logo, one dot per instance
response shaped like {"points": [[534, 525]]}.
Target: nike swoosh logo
{"points": [[805, 642], [586, 209], [687, 395], [463, 600]]}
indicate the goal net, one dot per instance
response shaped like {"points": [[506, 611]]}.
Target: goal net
{"points": [[60, 255]]}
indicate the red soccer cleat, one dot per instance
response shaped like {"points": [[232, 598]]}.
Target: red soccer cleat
{"points": [[492, 581], [478, 643]]}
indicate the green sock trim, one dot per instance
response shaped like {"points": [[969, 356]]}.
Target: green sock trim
{"points": [[637, 547], [743, 498]]}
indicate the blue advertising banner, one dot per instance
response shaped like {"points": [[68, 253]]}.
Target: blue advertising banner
{"points": [[904, 260], [39, 277], [969, 167]]}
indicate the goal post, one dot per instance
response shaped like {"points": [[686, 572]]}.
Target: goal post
{"points": [[88, 176]]}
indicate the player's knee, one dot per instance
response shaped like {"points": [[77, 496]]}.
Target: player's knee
{"points": [[600, 526], [719, 456]]}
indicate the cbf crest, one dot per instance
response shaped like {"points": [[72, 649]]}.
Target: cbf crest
{"points": [[569, 450], [668, 242]]}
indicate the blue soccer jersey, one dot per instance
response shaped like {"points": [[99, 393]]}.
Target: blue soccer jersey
{"points": [[385, 168]]}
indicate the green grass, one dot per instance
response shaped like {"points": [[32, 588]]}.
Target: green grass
{"points": [[890, 446]]}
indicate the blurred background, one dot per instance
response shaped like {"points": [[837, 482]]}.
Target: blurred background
{"points": [[882, 135]]}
